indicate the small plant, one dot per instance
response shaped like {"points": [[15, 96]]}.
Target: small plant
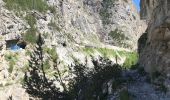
{"points": [[104, 12], [28, 52], [31, 34], [31, 20], [52, 52], [25, 68], [118, 35], [54, 26], [46, 65], [11, 58], [52, 9]]}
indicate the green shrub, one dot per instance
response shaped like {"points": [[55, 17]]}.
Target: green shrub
{"points": [[24, 5], [25, 68], [28, 52], [118, 35], [104, 12], [30, 36], [131, 60], [105, 15], [90, 82], [52, 52], [11, 58], [46, 65], [52, 9], [31, 20]]}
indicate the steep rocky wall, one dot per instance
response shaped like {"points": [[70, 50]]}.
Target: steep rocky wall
{"points": [[154, 45], [83, 20]]}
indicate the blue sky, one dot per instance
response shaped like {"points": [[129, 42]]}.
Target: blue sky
{"points": [[137, 3]]}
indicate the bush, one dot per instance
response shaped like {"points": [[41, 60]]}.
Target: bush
{"points": [[30, 36], [31, 20], [131, 60], [11, 58], [104, 12], [87, 85], [118, 35]]}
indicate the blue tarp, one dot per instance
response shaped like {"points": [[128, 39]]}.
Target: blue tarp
{"points": [[15, 47]]}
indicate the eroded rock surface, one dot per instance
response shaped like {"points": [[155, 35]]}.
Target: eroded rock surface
{"points": [[154, 45]]}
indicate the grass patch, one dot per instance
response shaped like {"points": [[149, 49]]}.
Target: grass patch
{"points": [[131, 57], [107, 52], [131, 60], [25, 5], [89, 51]]}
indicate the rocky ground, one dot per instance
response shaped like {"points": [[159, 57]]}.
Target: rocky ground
{"points": [[139, 88]]}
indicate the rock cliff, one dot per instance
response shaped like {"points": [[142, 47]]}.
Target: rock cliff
{"points": [[154, 44]]}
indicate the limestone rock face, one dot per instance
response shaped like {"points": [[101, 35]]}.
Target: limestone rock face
{"points": [[154, 45], [82, 20]]}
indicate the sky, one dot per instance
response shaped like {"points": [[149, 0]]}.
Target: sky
{"points": [[137, 3]]}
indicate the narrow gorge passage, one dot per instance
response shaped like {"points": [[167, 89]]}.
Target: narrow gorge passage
{"points": [[84, 50]]}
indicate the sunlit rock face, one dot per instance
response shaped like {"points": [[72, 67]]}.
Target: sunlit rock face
{"points": [[154, 45], [83, 20]]}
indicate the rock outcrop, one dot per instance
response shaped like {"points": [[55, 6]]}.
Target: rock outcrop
{"points": [[154, 45]]}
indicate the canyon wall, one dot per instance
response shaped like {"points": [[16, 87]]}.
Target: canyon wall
{"points": [[154, 44]]}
